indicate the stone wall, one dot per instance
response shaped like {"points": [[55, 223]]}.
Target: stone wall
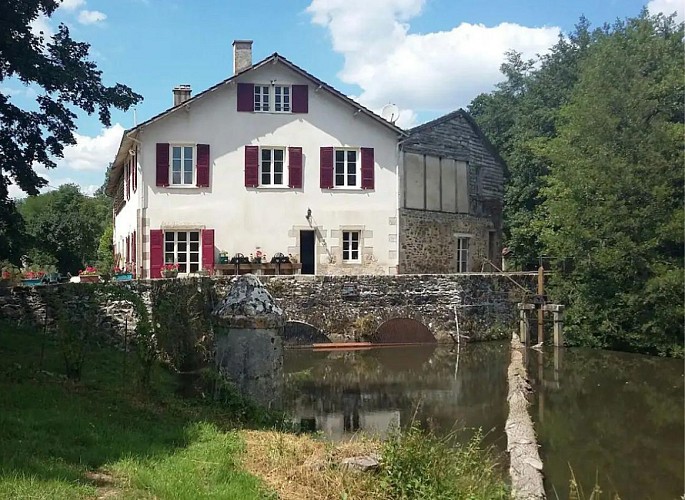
{"points": [[428, 241], [344, 308]]}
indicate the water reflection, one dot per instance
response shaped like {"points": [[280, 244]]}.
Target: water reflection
{"points": [[614, 416], [339, 393]]}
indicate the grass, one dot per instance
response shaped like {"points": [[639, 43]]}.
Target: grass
{"points": [[66, 440], [103, 438]]}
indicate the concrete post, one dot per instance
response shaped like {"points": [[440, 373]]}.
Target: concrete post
{"points": [[558, 328], [249, 349], [523, 326]]}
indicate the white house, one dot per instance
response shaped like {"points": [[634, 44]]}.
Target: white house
{"points": [[273, 159]]}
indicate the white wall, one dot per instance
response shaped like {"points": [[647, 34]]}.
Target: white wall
{"points": [[246, 218], [126, 222]]}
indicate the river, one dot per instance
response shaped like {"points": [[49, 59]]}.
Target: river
{"points": [[612, 415]]}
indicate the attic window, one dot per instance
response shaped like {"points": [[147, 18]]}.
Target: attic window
{"points": [[272, 98]]}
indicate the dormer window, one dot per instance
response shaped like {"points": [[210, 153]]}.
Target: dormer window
{"points": [[272, 98]]}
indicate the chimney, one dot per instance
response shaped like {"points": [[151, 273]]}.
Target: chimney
{"points": [[242, 55], [181, 94]]}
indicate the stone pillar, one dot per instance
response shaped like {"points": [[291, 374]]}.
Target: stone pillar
{"points": [[249, 350]]}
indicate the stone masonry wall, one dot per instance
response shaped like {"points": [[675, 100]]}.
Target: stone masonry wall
{"points": [[428, 241], [342, 307]]}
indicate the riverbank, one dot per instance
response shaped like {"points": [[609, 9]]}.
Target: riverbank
{"points": [[104, 437]]}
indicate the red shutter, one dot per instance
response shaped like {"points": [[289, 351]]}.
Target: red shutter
{"points": [[135, 171], [246, 97], [156, 252], [133, 252], [368, 168], [300, 99], [295, 167], [326, 168], [127, 180], [208, 249], [128, 250], [162, 166], [203, 165], [251, 166]]}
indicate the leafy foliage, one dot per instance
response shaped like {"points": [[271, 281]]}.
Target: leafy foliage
{"points": [[64, 226], [614, 197], [66, 79], [592, 133]]}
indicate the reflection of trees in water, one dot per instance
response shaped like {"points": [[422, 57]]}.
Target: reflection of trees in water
{"points": [[618, 414], [416, 381]]}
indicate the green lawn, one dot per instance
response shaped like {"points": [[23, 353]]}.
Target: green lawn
{"points": [[102, 437]]}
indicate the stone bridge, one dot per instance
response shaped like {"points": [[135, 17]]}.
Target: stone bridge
{"points": [[353, 308]]}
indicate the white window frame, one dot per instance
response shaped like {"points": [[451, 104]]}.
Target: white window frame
{"points": [[345, 168], [193, 165], [271, 92], [462, 252], [347, 239], [272, 174], [172, 252]]}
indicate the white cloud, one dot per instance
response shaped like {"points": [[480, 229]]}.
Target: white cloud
{"points": [[72, 4], [431, 72], [41, 26], [91, 16], [667, 7], [93, 153]]}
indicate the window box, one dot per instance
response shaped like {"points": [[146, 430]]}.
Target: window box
{"points": [[32, 282], [123, 277], [89, 278]]}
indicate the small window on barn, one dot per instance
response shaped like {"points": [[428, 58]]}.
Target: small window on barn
{"points": [[462, 254]]}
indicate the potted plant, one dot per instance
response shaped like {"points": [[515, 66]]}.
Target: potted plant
{"points": [[123, 274], [223, 258], [32, 276], [170, 270], [89, 275]]}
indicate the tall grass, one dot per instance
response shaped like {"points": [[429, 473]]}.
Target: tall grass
{"points": [[419, 464]]}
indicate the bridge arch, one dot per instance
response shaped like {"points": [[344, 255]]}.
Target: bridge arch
{"points": [[403, 331], [299, 332]]}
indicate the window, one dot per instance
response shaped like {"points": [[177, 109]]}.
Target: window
{"points": [[265, 95], [462, 254], [182, 248], [346, 168], [271, 167], [350, 246], [182, 165]]}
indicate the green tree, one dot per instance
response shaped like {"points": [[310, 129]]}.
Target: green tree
{"points": [[613, 204], [59, 66], [524, 108], [66, 224]]}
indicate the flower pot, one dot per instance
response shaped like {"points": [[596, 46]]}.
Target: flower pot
{"points": [[31, 281], [169, 274], [123, 277], [90, 278]]}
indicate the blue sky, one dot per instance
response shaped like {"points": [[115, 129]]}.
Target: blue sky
{"points": [[428, 57]]}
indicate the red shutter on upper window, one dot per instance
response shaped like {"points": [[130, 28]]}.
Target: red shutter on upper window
{"points": [[203, 165], [127, 180], [295, 167], [300, 99], [326, 168], [208, 249], [246, 97], [251, 166], [156, 253], [128, 249], [133, 250], [368, 168], [134, 165], [162, 165]]}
